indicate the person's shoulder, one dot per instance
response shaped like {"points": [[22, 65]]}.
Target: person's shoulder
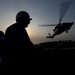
{"points": [[12, 26]]}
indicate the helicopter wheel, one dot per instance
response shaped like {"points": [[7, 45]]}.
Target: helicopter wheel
{"points": [[67, 31]]}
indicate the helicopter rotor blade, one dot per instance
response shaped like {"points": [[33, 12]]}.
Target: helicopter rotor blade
{"points": [[63, 9], [47, 25]]}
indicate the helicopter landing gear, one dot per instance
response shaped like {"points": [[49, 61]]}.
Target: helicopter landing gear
{"points": [[49, 36], [66, 31]]}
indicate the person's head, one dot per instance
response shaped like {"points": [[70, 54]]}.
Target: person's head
{"points": [[23, 18]]}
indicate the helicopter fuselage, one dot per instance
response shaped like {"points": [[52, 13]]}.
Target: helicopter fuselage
{"points": [[60, 28]]}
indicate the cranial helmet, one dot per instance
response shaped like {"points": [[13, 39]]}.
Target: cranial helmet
{"points": [[22, 16]]}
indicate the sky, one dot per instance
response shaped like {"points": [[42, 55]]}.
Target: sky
{"points": [[41, 12]]}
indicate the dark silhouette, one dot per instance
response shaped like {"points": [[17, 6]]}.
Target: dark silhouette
{"points": [[1, 41], [18, 47], [1, 46], [60, 28]]}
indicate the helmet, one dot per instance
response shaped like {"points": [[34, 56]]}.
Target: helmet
{"points": [[22, 16]]}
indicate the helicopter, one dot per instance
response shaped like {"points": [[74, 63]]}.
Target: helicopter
{"points": [[60, 27]]}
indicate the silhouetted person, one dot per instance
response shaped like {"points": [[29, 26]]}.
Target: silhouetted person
{"points": [[1, 46], [17, 44], [1, 41]]}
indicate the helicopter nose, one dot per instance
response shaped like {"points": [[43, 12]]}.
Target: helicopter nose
{"points": [[72, 22]]}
